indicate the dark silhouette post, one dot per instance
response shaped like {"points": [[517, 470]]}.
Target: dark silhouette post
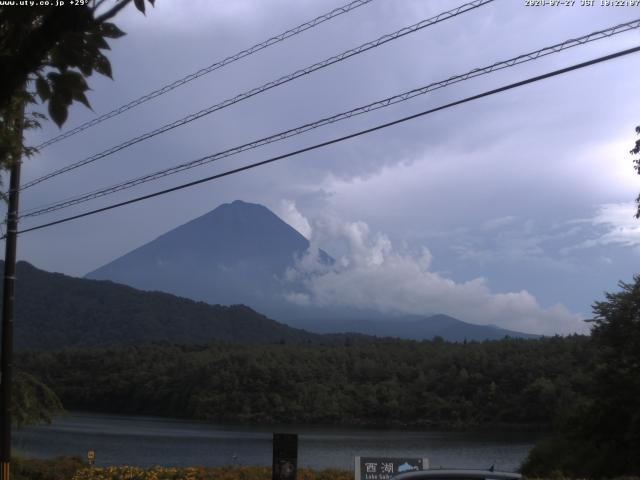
{"points": [[285, 456], [6, 358]]}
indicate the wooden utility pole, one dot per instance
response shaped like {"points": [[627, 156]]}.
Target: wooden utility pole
{"points": [[6, 358], [6, 361]]}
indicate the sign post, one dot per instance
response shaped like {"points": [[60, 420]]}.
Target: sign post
{"points": [[285, 456], [383, 468], [91, 456]]}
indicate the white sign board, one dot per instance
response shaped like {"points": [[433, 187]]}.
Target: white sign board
{"points": [[383, 468]]}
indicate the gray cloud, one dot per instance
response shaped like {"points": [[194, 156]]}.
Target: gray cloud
{"points": [[372, 273], [547, 153]]}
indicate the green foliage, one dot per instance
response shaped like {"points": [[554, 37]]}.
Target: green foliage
{"points": [[33, 402], [202, 473], [11, 127], [636, 164], [390, 382], [560, 456], [48, 51], [62, 468], [600, 436]]}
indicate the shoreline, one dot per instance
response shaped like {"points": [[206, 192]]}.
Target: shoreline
{"points": [[356, 425]]}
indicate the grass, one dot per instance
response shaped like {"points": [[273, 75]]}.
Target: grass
{"points": [[73, 468], [201, 473], [61, 468]]}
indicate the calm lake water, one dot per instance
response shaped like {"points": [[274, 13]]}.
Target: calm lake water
{"points": [[146, 441]]}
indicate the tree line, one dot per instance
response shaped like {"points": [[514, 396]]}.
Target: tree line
{"points": [[389, 381]]}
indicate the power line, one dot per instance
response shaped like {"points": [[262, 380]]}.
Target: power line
{"points": [[335, 118], [340, 139], [204, 71], [267, 86]]}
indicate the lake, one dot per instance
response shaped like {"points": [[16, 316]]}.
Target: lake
{"points": [[146, 441]]}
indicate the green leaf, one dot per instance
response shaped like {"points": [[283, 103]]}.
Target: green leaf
{"points": [[81, 97], [71, 86], [109, 30], [56, 57], [58, 110], [68, 53], [97, 41], [74, 80], [139, 5], [43, 89], [101, 65], [59, 87], [63, 86], [85, 59]]}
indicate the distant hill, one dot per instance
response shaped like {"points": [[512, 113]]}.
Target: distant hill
{"points": [[55, 311], [414, 328]]}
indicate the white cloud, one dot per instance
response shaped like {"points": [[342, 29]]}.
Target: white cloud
{"points": [[618, 218], [374, 274], [616, 225], [288, 212]]}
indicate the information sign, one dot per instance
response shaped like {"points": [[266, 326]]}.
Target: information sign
{"points": [[383, 468]]}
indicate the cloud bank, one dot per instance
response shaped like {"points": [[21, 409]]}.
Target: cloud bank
{"points": [[373, 273]]}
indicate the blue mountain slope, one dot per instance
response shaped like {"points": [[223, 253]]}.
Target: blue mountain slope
{"points": [[237, 253]]}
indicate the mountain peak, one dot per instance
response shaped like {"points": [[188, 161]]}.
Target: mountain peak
{"points": [[238, 252], [241, 203]]}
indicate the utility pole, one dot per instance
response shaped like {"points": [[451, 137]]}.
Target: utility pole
{"points": [[6, 358]]}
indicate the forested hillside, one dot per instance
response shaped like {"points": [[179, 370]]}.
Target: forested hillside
{"points": [[55, 311], [599, 436], [429, 383]]}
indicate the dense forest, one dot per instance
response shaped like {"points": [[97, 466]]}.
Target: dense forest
{"points": [[599, 436], [393, 382]]}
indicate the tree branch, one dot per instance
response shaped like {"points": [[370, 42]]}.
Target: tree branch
{"points": [[33, 50], [112, 12], [96, 5]]}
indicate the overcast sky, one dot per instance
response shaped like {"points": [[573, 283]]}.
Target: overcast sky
{"points": [[516, 209]]}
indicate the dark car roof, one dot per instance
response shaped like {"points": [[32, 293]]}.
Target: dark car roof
{"points": [[457, 474]]}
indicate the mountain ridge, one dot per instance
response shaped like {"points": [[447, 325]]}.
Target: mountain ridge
{"points": [[414, 327], [240, 253], [54, 311]]}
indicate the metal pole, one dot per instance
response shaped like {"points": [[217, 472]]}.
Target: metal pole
{"points": [[6, 360]]}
